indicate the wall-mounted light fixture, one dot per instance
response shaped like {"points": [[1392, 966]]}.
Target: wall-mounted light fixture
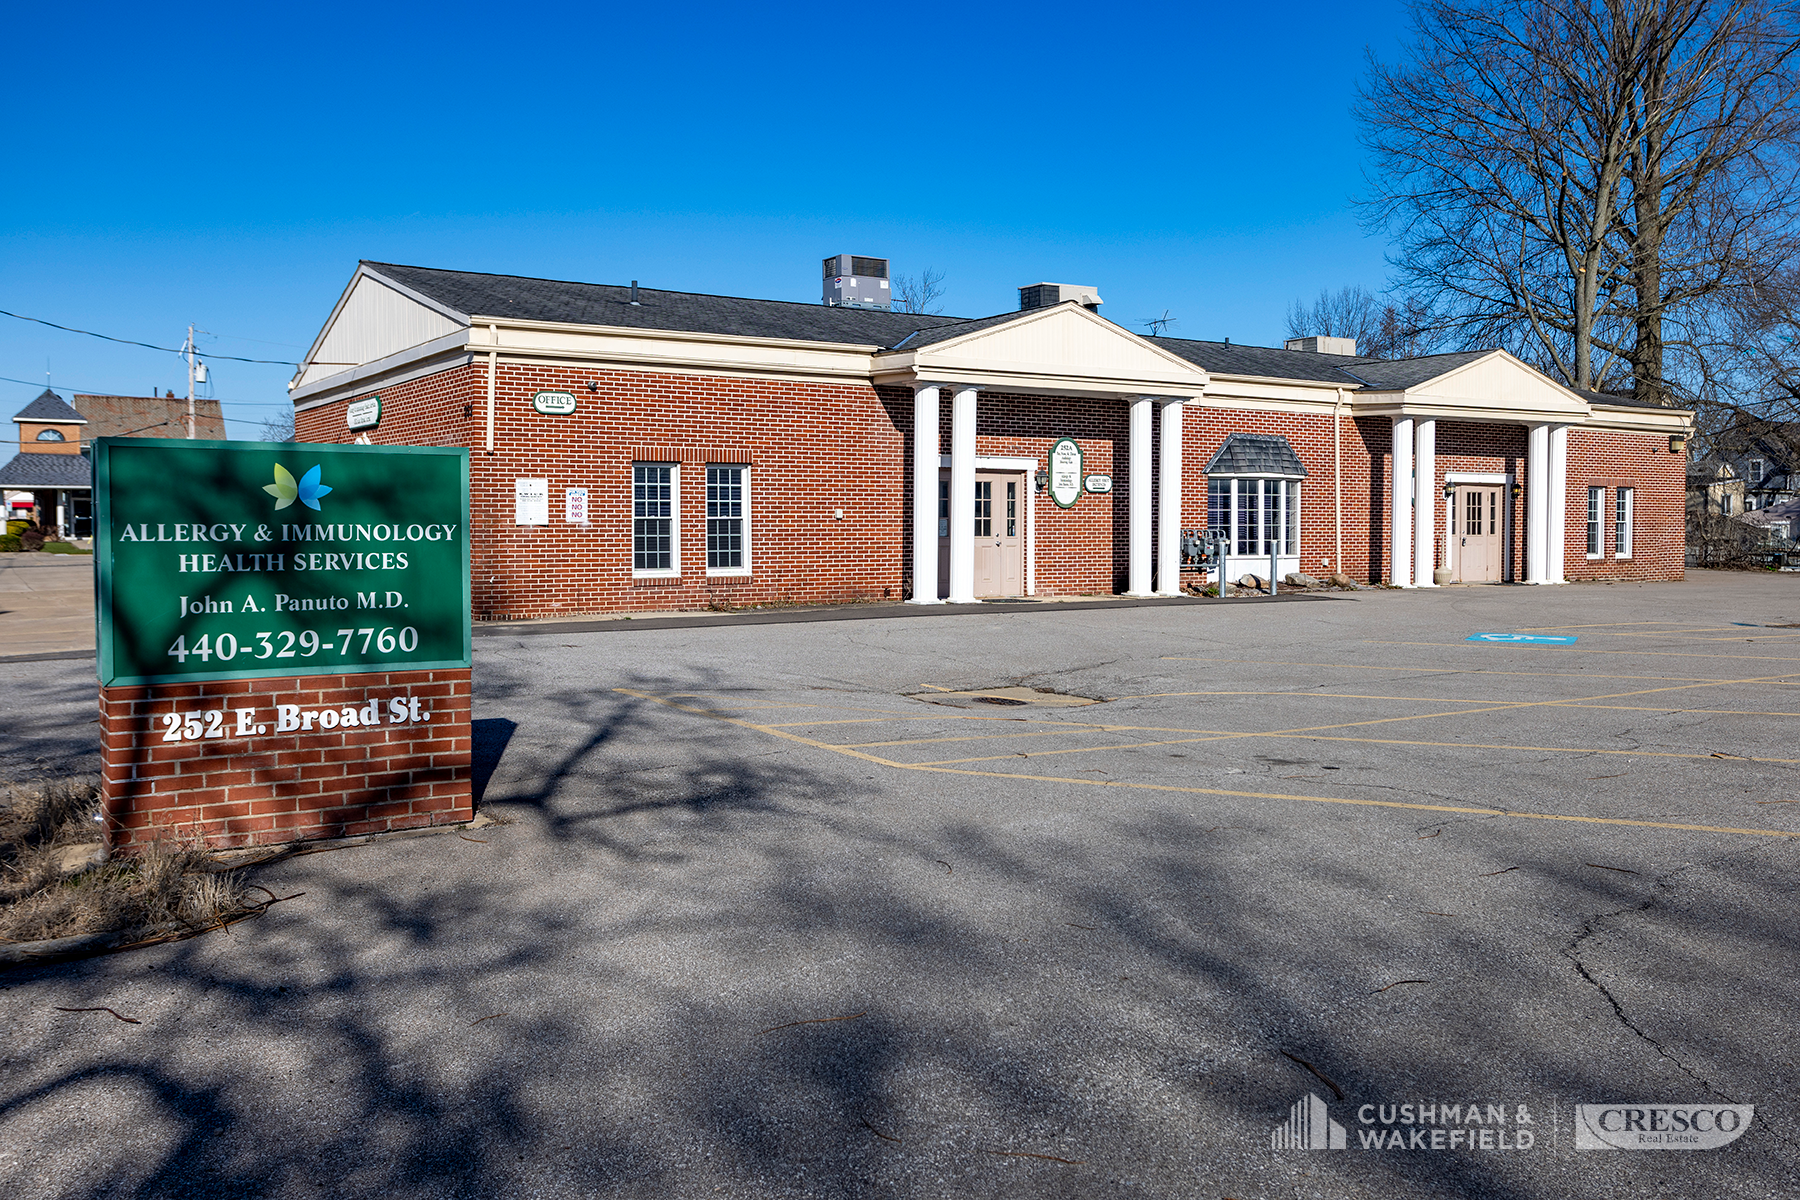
{"points": [[1678, 443], [1516, 491], [1449, 489], [1043, 481]]}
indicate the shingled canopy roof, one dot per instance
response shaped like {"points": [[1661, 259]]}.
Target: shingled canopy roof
{"points": [[47, 471], [1257, 454]]}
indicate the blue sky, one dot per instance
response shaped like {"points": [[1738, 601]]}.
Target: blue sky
{"points": [[228, 165]]}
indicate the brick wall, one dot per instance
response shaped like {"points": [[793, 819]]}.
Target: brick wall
{"points": [[817, 448], [1610, 460], [235, 786]]}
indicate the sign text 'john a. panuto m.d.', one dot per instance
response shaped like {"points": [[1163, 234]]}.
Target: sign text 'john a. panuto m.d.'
{"points": [[232, 560]]}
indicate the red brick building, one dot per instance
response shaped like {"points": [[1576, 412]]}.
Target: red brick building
{"points": [[654, 449]]}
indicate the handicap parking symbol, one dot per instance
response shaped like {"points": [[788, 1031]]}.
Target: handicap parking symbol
{"points": [[1525, 639]]}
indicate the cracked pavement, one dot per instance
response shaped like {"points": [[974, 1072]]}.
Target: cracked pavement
{"points": [[760, 924]]}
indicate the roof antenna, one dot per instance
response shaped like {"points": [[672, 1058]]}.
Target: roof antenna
{"points": [[634, 298], [1228, 339]]}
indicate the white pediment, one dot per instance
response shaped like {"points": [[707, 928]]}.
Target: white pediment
{"points": [[1055, 350], [1500, 383], [373, 320]]}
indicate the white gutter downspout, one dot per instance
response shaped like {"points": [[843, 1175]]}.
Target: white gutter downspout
{"points": [[493, 360], [1337, 472]]}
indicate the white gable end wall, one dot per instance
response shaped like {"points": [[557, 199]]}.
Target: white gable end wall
{"points": [[373, 322], [1501, 382]]}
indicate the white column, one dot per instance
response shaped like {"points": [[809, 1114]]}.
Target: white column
{"points": [[925, 495], [1425, 501], [1559, 502], [1537, 502], [1138, 501], [1400, 516], [962, 495], [1168, 493]]}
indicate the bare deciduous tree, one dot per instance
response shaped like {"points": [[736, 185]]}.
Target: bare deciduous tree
{"points": [[1382, 329], [280, 426], [919, 293], [1600, 186]]}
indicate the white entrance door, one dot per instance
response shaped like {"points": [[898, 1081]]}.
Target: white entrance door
{"points": [[999, 548], [999, 535], [1478, 514]]}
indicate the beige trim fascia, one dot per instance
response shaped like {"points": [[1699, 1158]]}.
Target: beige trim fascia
{"points": [[1659, 421], [443, 354], [663, 351], [673, 335]]}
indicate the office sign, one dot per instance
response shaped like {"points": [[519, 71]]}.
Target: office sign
{"points": [[234, 560], [554, 404], [1065, 472]]}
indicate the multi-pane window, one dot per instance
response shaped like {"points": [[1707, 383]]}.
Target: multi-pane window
{"points": [[1012, 508], [1758, 469], [725, 518], [1261, 515], [1595, 531], [653, 516], [984, 508], [943, 508], [1623, 502]]}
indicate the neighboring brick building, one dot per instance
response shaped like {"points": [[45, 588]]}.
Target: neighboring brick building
{"points": [[637, 449], [51, 481]]}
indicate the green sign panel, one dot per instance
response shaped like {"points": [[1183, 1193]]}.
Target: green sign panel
{"points": [[232, 560]]}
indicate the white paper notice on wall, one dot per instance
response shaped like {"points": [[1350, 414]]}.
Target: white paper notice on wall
{"points": [[575, 506], [531, 501]]}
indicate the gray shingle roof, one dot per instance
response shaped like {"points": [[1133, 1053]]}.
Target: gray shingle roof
{"points": [[48, 407], [1220, 358], [1396, 374], [47, 471], [943, 333], [472, 293], [1256, 454]]}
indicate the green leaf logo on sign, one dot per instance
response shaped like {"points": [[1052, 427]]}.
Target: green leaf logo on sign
{"points": [[308, 491], [1065, 472]]}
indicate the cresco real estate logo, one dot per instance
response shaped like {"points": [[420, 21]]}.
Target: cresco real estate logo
{"points": [[1660, 1126]]}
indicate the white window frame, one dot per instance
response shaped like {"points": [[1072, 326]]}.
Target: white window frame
{"points": [[1596, 522], [1759, 470], [1249, 490], [1624, 517], [744, 472], [673, 571]]}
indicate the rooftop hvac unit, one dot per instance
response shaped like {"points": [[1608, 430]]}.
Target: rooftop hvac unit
{"points": [[1045, 295], [853, 281]]}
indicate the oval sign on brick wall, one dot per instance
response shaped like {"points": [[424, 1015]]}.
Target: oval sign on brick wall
{"points": [[1065, 472], [1099, 484], [554, 404]]}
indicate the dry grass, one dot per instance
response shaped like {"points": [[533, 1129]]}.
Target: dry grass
{"points": [[165, 885]]}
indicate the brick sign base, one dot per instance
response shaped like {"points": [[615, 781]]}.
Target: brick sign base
{"points": [[245, 762]]}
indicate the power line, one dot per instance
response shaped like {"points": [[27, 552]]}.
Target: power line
{"points": [[274, 362]]}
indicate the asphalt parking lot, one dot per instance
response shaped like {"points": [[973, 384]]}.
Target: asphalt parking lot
{"points": [[888, 907]]}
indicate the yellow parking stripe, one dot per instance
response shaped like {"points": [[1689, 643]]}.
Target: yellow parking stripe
{"points": [[1159, 787]]}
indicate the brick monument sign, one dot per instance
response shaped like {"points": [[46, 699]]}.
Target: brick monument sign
{"points": [[284, 639]]}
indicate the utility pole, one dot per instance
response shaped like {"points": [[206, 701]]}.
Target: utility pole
{"points": [[190, 357]]}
